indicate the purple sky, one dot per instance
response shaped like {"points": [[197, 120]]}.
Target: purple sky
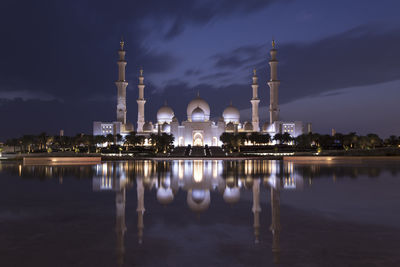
{"points": [[339, 60]]}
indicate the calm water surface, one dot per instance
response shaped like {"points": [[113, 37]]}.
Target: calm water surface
{"points": [[201, 213]]}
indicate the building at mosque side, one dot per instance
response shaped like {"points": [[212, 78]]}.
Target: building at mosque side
{"points": [[198, 129]]}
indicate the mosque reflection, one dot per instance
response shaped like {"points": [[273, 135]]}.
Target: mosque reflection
{"points": [[197, 179], [200, 181]]}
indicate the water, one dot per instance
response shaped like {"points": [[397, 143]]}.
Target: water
{"points": [[201, 213]]}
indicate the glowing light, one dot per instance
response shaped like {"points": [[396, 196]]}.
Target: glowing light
{"points": [[198, 171]]}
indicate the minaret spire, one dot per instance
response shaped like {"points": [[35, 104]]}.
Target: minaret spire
{"points": [[254, 103], [121, 84], [274, 86], [141, 101]]}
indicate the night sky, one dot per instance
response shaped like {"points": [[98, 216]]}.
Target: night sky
{"points": [[339, 61]]}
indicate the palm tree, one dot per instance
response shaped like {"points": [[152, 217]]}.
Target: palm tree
{"points": [[286, 138], [110, 139], [392, 141], [278, 137]]}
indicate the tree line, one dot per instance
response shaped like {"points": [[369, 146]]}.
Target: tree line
{"points": [[162, 143], [88, 143], [310, 140]]}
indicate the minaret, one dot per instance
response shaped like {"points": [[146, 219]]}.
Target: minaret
{"points": [[275, 224], [274, 86], [141, 101], [121, 85], [120, 226], [254, 103], [140, 208], [256, 209]]}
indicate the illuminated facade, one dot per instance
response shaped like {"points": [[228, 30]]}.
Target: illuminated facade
{"points": [[198, 129]]}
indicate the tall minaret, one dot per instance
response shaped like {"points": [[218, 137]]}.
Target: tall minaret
{"points": [[141, 101], [274, 86], [121, 85], [254, 103]]}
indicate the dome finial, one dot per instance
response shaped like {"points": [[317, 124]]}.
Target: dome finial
{"points": [[254, 71], [141, 71], [230, 102], [121, 43], [198, 93], [273, 43]]}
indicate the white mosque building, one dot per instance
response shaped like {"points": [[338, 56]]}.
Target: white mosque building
{"points": [[198, 129]]}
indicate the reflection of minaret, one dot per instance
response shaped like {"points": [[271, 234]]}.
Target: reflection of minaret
{"points": [[274, 86], [275, 224], [140, 208], [121, 86], [141, 101], [120, 226], [256, 209], [254, 103]]}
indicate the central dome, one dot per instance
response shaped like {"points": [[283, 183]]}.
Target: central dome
{"points": [[198, 102], [165, 114], [231, 114], [198, 115]]}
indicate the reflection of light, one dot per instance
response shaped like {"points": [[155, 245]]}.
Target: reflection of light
{"points": [[181, 169], [198, 171], [146, 169], [215, 169], [20, 170]]}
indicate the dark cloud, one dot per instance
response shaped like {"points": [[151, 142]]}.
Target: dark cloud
{"points": [[193, 72], [238, 57], [215, 76], [362, 56]]}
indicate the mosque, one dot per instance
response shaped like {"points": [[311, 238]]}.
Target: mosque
{"points": [[199, 129]]}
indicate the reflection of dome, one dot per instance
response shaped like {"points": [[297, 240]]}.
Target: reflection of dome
{"points": [[165, 195], [230, 127], [265, 127], [148, 126], [231, 195], [166, 128], [198, 102], [165, 114], [248, 126], [231, 114], [198, 199], [198, 114]]}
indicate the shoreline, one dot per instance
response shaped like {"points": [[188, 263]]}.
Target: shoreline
{"points": [[298, 159]]}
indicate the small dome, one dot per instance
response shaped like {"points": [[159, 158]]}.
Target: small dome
{"points": [[198, 115], [198, 199], [166, 128], [165, 114], [230, 127], [148, 126], [265, 127], [248, 126], [231, 114], [231, 195], [198, 102], [128, 127], [165, 195]]}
